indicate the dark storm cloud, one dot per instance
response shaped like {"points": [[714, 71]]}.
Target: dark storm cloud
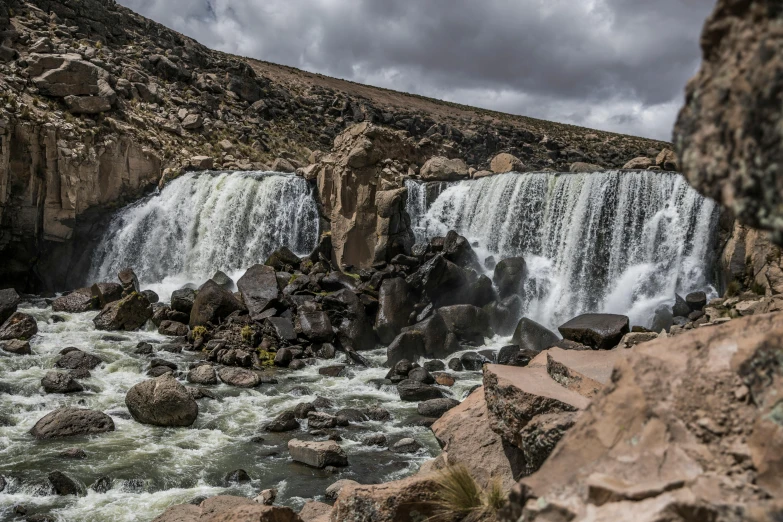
{"points": [[613, 64]]}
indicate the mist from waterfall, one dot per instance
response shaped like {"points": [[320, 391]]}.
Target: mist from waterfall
{"points": [[614, 242], [204, 222]]}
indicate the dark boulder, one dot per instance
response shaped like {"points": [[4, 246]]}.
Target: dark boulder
{"points": [[696, 301], [9, 301], [68, 422], [680, 308], [60, 382], [421, 375], [504, 315], [16, 347], [529, 335], [259, 289], [599, 331], [129, 281], [457, 249], [406, 346], [283, 259], [162, 401], [182, 300], [469, 323], [663, 319], [332, 371], [282, 327], [439, 342], [173, 329], [354, 330], [314, 326], [203, 374], [19, 326], [223, 280], [509, 276], [472, 361], [513, 355], [443, 282], [212, 304], [415, 391], [126, 314], [151, 296], [75, 302], [435, 366], [395, 304], [63, 484], [286, 421], [239, 377], [238, 476], [75, 359]]}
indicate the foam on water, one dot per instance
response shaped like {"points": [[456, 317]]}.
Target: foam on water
{"points": [[621, 242]]}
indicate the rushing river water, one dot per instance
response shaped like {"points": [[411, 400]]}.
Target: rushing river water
{"points": [[153, 467]]}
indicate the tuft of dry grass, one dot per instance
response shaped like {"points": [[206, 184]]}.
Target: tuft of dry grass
{"points": [[461, 498]]}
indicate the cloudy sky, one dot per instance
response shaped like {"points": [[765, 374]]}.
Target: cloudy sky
{"points": [[618, 65]]}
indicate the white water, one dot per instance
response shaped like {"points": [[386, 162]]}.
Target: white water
{"points": [[615, 242], [204, 222], [154, 467]]}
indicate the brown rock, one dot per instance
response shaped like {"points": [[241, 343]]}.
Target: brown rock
{"points": [[581, 166], [505, 162], [667, 160], [314, 511], [400, 501], [68, 422], [19, 326], [640, 163], [317, 454], [227, 509], [444, 169], [161, 402], [126, 314]]}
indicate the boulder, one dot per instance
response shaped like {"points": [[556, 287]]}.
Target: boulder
{"points": [[680, 307], [314, 511], [467, 322], [75, 359], [445, 283], [696, 301], [439, 342], [203, 374], [69, 422], [457, 249], [668, 434], [212, 304], [63, 485], [444, 169], [586, 168], [16, 347], [258, 288], [19, 326], [239, 377], [226, 508], [667, 160], [202, 162], [505, 162], [182, 300], [599, 331], [509, 276], [286, 421], [472, 361], [412, 498], [9, 300], [415, 391], [504, 314], [60, 382], [640, 163], [435, 408], [314, 326], [64, 75], [317, 454], [395, 305], [162, 401], [80, 300], [529, 335], [173, 329], [282, 259], [406, 346], [406, 445], [126, 314], [319, 420]]}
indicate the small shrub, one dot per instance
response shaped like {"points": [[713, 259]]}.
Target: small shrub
{"points": [[99, 45], [199, 332], [460, 497], [758, 289], [247, 333], [733, 288], [267, 358]]}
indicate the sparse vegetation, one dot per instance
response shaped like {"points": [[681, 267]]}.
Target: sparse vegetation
{"points": [[199, 332], [733, 288], [460, 497], [247, 333]]}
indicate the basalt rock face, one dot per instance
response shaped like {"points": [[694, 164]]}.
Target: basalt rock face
{"points": [[362, 196], [686, 430], [729, 133]]}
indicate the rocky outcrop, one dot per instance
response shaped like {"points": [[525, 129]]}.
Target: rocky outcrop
{"points": [[687, 426], [361, 193], [750, 260], [226, 508], [728, 135]]}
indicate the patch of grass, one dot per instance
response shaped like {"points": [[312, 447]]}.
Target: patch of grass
{"points": [[460, 497], [733, 288], [267, 358], [247, 333], [199, 332], [758, 289]]}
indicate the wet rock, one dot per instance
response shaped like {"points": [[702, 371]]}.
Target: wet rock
{"points": [[599, 331], [237, 476], [151, 296], [182, 300], [73, 453], [529, 335], [420, 375], [467, 322], [9, 301], [444, 379], [455, 364], [436, 407], [161, 402], [696, 301], [259, 289], [351, 415], [19, 326], [317, 454], [16, 347], [157, 371], [509, 276], [283, 258], [286, 421], [3, 483], [282, 327], [680, 307], [68, 422], [663, 319], [60, 382], [327, 351], [143, 348], [332, 371], [173, 329], [415, 391], [376, 439], [314, 326], [63, 484], [126, 314], [434, 366], [406, 346], [503, 315], [75, 359], [513, 355], [302, 409], [266, 497], [204, 375], [321, 421], [472, 361], [395, 305], [457, 249], [102, 485], [239, 377], [406, 445], [129, 281], [439, 342], [212, 304]]}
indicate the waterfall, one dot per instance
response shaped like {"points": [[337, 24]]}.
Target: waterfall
{"points": [[204, 222], [614, 242]]}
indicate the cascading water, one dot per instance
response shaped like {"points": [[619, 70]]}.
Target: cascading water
{"points": [[615, 242], [200, 223]]}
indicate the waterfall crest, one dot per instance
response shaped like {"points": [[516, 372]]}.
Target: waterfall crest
{"points": [[615, 242], [204, 222]]}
